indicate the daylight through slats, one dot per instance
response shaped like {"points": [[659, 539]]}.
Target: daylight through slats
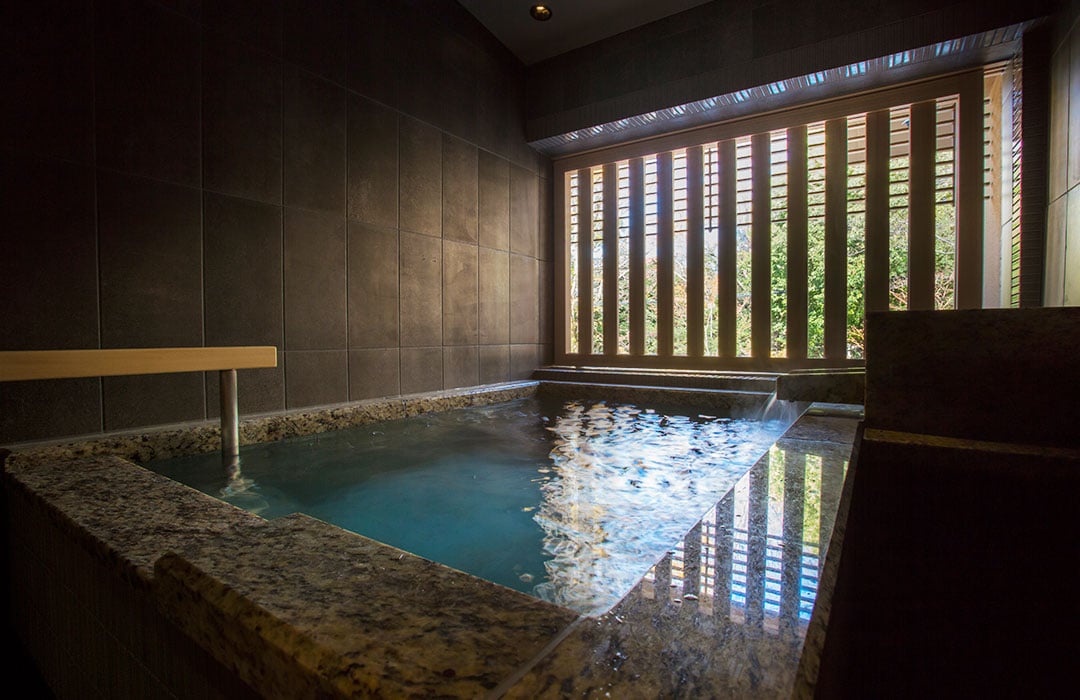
{"points": [[768, 247]]}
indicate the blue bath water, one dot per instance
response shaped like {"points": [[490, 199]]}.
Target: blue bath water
{"points": [[570, 501]]}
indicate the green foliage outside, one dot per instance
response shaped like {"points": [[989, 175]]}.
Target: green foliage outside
{"points": [[945, 245]]}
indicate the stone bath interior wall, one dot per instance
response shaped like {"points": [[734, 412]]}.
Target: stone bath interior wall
{"points": [[347, 180]]}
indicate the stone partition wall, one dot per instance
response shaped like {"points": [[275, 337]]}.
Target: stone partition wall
{"points": [[963, 490], [345, 180], [1001, 375]]}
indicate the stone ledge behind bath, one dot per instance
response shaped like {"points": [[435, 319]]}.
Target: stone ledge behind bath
{"points": [[732, 404], [179, 440]]}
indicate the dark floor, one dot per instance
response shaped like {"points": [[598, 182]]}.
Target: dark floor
{"points": [[21, 672]]}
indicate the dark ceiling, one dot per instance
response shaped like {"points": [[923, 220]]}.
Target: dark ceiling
{"points": [[573, 23]]}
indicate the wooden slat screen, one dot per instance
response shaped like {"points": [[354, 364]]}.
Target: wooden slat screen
{"points": [[766, 247]]}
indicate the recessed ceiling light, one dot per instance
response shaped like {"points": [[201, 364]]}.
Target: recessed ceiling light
{"points": [[540, 12]]}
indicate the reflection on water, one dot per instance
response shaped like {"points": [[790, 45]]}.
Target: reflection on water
{"points": [[756, 557], [571, 502], [242, 492], [626, 484]]}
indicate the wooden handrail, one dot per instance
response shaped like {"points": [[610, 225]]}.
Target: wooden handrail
{"points": [[22, 365]]}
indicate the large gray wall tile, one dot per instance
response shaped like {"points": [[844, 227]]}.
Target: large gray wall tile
{"points": [[421, 370], [315, 270], [241, 121], [494, 104], [255, 22], [153, 399], [494, 292], [48, 409], [460, 367], [316, 378], [494, 363], [242, 271], [1059, 123], [150, 249], [524, 300], [49, 253], [1074, 107], [375, 53], [421, 289], [373, 163], [315, 36], [458, 86], [259, 390], [373, 373], [1072, 249], [524, 217], [373, 287], [1054, 268], [494, 181], [460, 197], [420, 178], [524, 359], [57, 121], [231, 162], [545, 236], [460, 277], [420, 68], [315, 126], [146, 89], [546, 301]]}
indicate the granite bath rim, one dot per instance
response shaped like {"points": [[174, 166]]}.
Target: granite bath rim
{"points": [[170, 570]]}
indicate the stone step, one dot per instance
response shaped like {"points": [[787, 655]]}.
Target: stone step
{"points": [[680, 379]]}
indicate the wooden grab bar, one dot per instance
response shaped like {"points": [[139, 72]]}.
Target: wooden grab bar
{"points": [[22, 365]]}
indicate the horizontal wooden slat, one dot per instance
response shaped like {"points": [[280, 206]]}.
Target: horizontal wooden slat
{"points": [[781, 119], [68, 364]]}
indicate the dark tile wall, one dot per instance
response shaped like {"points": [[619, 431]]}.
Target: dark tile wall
{"points": [[347, 180], [721, 47], [1062, 263]]}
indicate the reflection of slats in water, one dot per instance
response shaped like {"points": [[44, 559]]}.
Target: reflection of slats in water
{"points": [[757, 556]]}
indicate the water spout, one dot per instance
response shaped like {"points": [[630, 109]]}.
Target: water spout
{"points": [[783, 412]]}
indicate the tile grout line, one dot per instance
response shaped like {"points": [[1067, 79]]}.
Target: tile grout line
{"points": [[397, 228], [97, 210], [348, 339], [202, 222], [281, 229]]}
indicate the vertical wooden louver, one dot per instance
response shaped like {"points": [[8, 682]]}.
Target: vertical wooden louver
{"points": [[762, 243]]}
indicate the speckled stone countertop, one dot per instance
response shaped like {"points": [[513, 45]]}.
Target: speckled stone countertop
{"points": [[304, 609], [85, 496], [299, 608]]}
